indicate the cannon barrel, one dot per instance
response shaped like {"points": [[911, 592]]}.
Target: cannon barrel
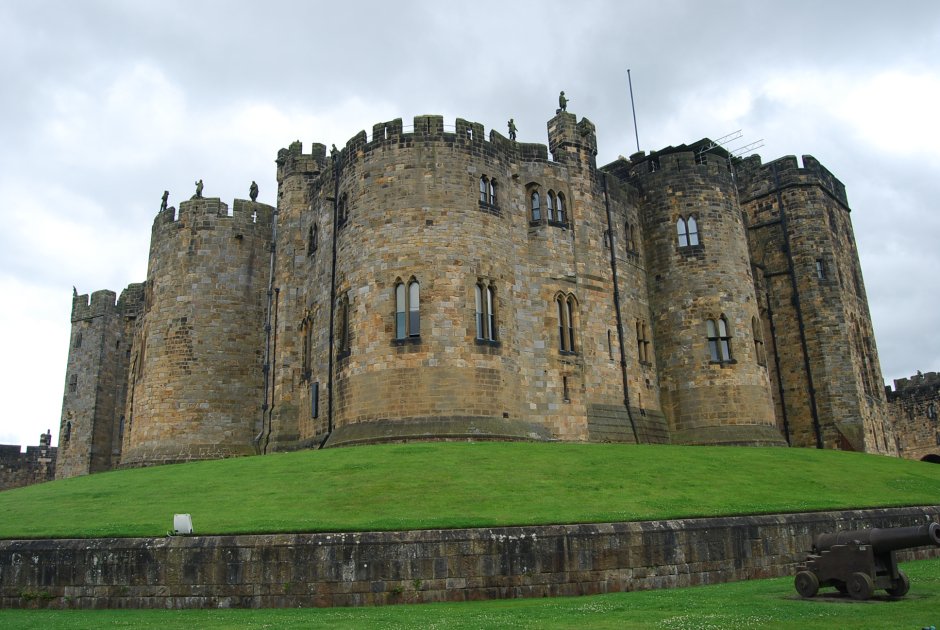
{"points": [[882, 540]]}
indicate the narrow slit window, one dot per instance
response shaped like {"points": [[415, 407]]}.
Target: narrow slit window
{"points": [[550, 204], [536, 206]]}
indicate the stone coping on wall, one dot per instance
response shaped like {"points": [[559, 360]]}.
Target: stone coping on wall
{"points": [[371, 568]]}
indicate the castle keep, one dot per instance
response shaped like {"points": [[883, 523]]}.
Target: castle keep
{"points": [[434, 282]]}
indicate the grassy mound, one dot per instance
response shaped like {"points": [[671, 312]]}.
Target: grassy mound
{"points": [[444, 485]]}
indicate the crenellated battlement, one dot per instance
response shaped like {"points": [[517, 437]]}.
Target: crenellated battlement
{"points": [[101, 303], [700, 157], [756, 179], [427, 129], [920, 385], [568, 137], [211, 213]]}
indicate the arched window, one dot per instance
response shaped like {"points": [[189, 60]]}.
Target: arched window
{"points": [[407, 310], [693, 231], [550, 203], [719, 340], [78, 340], [758, 341], [401, 308], [567, 308], [536, 206], [687, 231], [631, 237], [485, 314], [570, 315], [562, 215], [642, 342], [414, 313], [312, 239], [68, 431], [483, 189], [492, 192], [932, 411]]}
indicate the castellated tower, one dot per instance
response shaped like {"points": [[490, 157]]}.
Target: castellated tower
{"points": [[196, 373], [432, 281], [828, 386], [441, 284], [713, 377], [96, 381]]}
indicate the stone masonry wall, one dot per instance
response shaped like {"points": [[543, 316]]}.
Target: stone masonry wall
{"points": [[708, 277], [96, 378], [37, 464], [372, 568], [197, 378], [915, 407], [803, 248], [406, 207]]}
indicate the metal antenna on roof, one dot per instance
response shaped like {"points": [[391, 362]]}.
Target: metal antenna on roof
{"points": [[633, 107]]}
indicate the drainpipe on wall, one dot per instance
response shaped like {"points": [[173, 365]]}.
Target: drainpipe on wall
{"points": [[613, 269], [266, 367]]}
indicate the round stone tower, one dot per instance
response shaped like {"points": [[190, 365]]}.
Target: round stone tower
{"points": [[196, 376], [407, 293], [714, 388]]}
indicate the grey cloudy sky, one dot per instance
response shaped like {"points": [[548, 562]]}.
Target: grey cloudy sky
{"points": [[106, 104]]}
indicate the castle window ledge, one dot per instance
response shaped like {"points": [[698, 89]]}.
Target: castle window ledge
{"points": [[489, 208], [724, 364], [535, 223], [558, 224], [487, 343], [691, 250], [406, 341]]}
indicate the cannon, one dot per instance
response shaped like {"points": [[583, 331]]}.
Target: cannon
{"points": [[859, 562]]}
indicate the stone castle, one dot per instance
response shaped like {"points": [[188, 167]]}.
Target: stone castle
{"points": [[434, 283]]}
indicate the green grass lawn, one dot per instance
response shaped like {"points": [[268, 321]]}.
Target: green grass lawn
{"points": [[445, 485], [754, 604]]}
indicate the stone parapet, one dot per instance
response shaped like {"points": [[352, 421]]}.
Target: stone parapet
{"points": [[374, 568]]}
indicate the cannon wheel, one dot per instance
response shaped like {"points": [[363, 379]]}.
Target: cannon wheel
{"points": [[807, 584], [860, 586], [901, 587]]}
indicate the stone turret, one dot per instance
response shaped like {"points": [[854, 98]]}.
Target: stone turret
{"points": [[96, 381], [714, 387], [197, 369], [827, 379]]}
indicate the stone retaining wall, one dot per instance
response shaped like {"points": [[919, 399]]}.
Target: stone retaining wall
{"points": [[351, 569]]}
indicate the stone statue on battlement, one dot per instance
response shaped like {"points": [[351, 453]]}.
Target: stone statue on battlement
{"points": [[253, 191], [198, 194], [562, 102], [512, 129], [166, 195]]}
